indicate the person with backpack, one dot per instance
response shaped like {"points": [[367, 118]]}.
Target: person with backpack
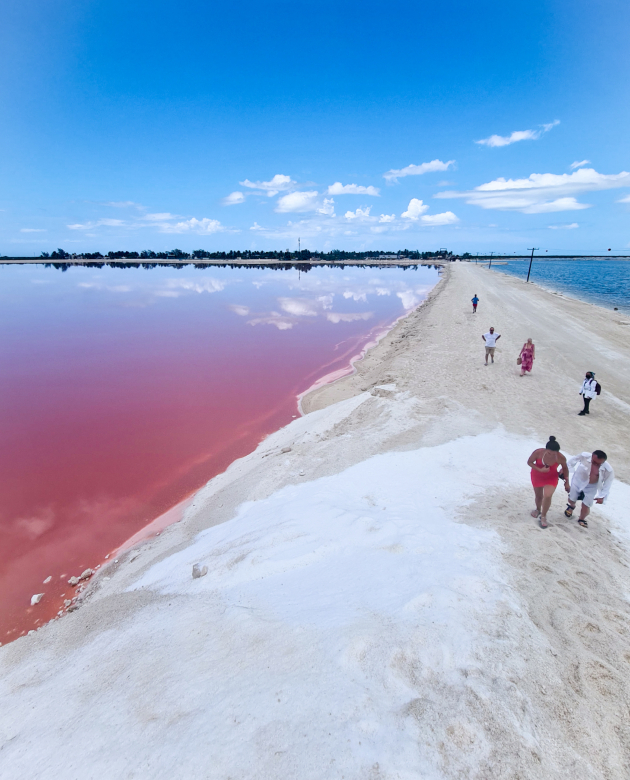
{"points": [[590, 388]]}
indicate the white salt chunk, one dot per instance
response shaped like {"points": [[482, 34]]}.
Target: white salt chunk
{"points": [[198, 571]]}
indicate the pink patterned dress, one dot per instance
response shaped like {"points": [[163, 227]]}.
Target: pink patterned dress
{"points": [[527, 358]]}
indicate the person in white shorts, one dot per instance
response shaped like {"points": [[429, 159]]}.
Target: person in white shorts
{"points": [[491, 339], [591, 481]]}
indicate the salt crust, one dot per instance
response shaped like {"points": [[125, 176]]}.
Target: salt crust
{"points": [[332, 610]]}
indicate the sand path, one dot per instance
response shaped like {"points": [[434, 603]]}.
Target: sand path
{"points": [[437, 354], [544, 691]]}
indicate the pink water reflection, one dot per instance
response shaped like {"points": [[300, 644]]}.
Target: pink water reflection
{"points": [[122, 391]]}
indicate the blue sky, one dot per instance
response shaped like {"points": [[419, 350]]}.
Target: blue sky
{"points": [[351, 125]]}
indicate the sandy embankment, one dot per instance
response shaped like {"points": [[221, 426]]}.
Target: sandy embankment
{"points": [[382, 606]]}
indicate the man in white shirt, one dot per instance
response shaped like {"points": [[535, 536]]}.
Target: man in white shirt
{"points": [[591, 481], [491, 339], [588, 391]]}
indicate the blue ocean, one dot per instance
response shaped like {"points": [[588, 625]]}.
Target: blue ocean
{"points": [[604, 282]]}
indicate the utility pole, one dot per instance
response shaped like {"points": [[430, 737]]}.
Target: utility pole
{"points": [[490, 266], [299, 246], [531, 260]]}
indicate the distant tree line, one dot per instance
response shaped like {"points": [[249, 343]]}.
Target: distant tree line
{"points": [[305, 267], [335, 255]]}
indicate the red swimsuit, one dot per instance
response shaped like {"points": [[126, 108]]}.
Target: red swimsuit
{"points": [[540, 479]]}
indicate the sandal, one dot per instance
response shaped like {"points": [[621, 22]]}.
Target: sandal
{"points": [[535, 513], [583, 523], [542, 522], [568, 512]]}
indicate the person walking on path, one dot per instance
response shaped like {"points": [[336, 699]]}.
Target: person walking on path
{"points": [[588, 391], [591, 481], [475, 301], [544, 463], [528, 353], [491, 339]]}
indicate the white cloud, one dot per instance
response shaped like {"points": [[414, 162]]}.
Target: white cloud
{"points": [[417, 170], [162, 221], [336, 317], [276, 319], [298, 201], [572, 226], [409, 299], [361, 215], [387, 218], [560, 204], [123, 204], [110, 288], [98, 223], [177, 286], [299, 307], [326, 300], [541, 192], [579, 164], [203, 226], [506, 140], [160, 217], [233, 198], [111, 222], [279, 183], [328, 207], [352, 189], [517, 135], [32, 230], [414, 209], [356, 295], [624, 200], [242, 311], [446, 218]]}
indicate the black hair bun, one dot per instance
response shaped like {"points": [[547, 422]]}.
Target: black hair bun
{"points": [[552, 444]]}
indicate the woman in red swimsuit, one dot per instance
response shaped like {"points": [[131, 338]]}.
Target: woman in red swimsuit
{"points": [[544, 464]]}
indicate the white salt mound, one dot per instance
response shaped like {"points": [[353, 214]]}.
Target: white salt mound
{"points": [[345, 623]]}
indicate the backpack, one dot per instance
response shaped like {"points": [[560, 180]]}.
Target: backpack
{"points": [[598, 388]]}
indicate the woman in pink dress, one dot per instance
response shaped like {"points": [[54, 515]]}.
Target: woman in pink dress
{"points": [[528, 353]]}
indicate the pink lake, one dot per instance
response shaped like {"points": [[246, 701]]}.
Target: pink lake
{"points": [[124, 390]]}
